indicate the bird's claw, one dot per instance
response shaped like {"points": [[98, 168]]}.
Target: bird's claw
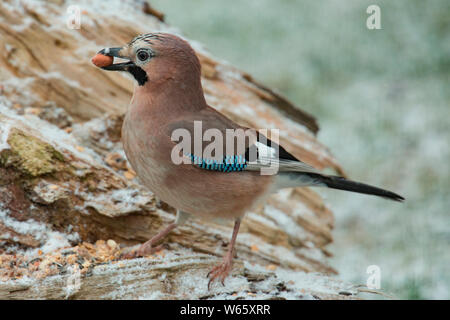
{"points": [[221, 271]]}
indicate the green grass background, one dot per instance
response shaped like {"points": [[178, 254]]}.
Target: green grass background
{"points": [[382, 98]]}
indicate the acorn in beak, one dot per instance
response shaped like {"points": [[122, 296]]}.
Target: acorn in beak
{"points": [[105, 57]]}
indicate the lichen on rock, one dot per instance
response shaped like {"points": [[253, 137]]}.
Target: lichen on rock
{"points": [[30, 154]]}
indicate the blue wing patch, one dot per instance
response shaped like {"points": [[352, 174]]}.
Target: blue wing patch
{"points": [[228, 164]]}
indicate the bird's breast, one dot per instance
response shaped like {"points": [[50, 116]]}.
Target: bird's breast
{"points": [[141, 149], [187, 187]]}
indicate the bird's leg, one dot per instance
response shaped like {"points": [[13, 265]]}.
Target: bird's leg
{"points": [[222, 270], [149, 246]]}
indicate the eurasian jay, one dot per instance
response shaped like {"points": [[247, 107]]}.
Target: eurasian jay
{"points": [[169, 96]]}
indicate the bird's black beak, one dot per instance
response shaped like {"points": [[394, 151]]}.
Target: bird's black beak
{"points": [[118, 53]]}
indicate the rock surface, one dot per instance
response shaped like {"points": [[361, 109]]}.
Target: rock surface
{"points": [[65, 185]]}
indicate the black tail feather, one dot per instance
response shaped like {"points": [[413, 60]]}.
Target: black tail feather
{"points": [[340, 183]]}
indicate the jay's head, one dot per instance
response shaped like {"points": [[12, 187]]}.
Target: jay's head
{"points": [[154, 58]]}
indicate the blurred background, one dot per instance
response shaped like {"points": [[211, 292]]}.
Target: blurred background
{"points": [[382, 99]]}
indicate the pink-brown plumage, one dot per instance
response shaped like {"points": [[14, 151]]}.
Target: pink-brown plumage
{"points": [[172, 95], [148, 146]]}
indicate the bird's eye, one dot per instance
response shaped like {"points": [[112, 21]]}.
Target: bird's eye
{"points": [[143, 55]]}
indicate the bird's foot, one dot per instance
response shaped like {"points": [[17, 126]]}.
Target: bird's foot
{"points": [[220, 272], [143, 250]]}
